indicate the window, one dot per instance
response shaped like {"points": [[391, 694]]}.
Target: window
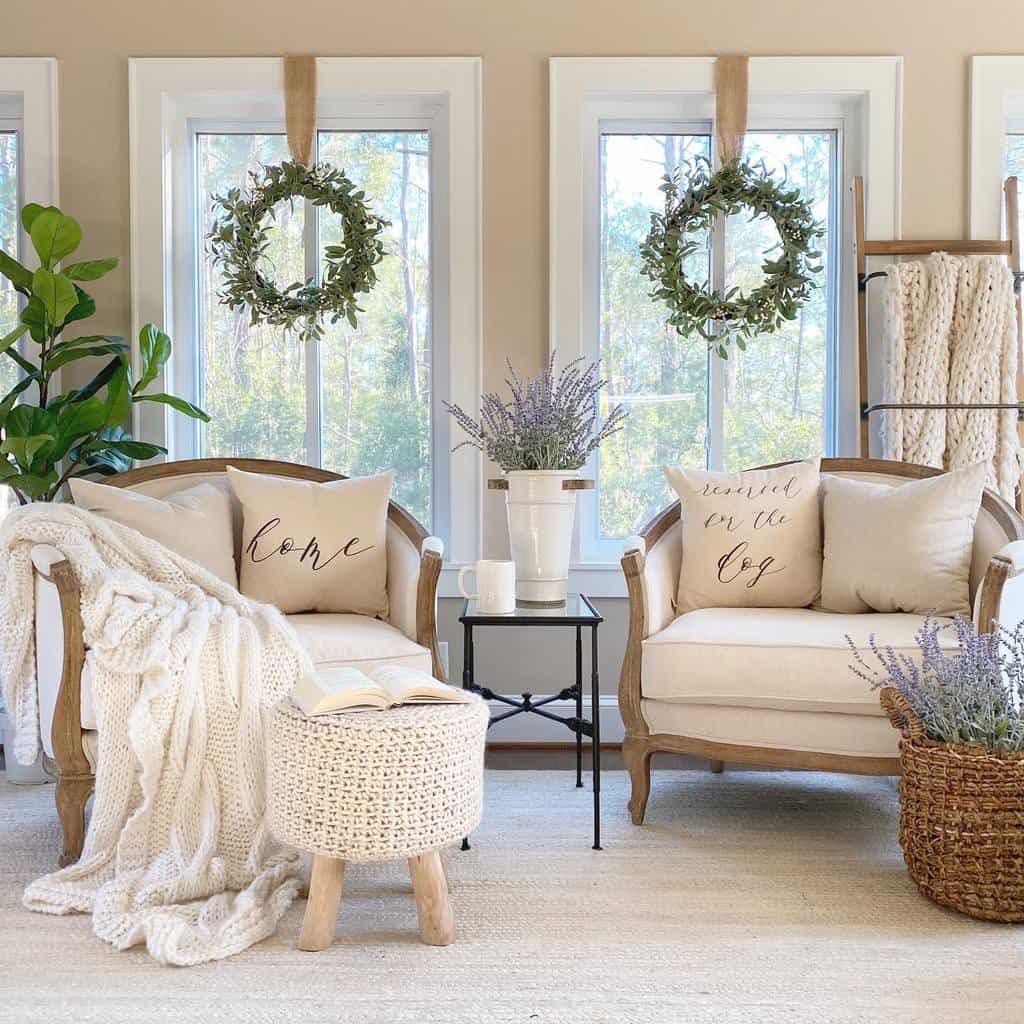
{"points": [[773, 402], [1014, 161], [618, 126], [9, 239], [359, 400]]}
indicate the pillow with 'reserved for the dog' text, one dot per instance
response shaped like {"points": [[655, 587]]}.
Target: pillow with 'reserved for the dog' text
{"points": [[314, 547], [750, 539]]}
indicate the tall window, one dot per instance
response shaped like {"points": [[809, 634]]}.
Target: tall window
{"points": [[774, 401], [358, 400], [1014, 164], [9, 233]]}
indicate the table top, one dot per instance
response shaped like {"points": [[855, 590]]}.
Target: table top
{"points": [[576, 610]]}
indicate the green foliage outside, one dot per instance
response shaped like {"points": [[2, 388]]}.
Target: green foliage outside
{"points": [[375, 379], [773, 394]]}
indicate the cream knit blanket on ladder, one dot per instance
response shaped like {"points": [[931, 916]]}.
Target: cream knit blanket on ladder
{"points": [[951, 336], [184, 673]]}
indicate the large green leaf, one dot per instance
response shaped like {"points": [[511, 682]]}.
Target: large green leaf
{"points": [[55, 292], [75, 421], [85, 307], [154, 350], [176, 403], [19, 276], [119, 396], [34, 485], [29, 213], [25, 449], [12, 396], [54, 236], [12, 337], [69, 355], [34, 317], [90, 270], [100, 379]]}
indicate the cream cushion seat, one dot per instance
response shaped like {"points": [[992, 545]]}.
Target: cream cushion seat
{"points": [[329, 639], [772, 677]]}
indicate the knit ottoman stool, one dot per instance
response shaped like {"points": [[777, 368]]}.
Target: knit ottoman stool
{"points": [[377, 785]]}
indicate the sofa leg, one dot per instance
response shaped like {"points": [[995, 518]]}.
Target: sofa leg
{"points": [[71, 794], [638, 763], [717, 766]]}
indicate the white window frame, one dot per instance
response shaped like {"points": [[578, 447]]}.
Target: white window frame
{"points": [[170, 98], [28, 105], [860, 98], [997, 106]]}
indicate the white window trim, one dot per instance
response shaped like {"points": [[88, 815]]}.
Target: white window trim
{"points": [[165, 94], [28, 102], [997, 99], [585, 91]]}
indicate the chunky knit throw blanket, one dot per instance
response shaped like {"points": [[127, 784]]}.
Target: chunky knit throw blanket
{"points": [[951, 336], [184, 673]]}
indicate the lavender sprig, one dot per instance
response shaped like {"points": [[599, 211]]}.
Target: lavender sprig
{"points": [[551, 421], [970, 693]]}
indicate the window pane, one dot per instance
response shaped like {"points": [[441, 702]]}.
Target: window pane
{"points": [[9, 243], [1015, 164], [775, 391], [660, 379], [376, 379], [252, 378]]}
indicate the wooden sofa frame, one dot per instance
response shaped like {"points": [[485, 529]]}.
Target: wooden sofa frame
{"points": [[75, 778], [640, 744]]}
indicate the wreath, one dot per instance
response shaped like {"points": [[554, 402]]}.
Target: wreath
{"points": [[721, 318], [239, 241]]}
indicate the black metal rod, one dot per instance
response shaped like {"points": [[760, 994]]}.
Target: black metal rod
{"points": [[595, 736], [862, 279], [867, 410], [579, 706]]}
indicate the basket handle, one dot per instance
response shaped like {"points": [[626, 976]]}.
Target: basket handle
{"points": [[901, 714]]}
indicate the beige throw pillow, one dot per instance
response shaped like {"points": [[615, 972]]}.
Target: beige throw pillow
{"points": [[314, 547], [750, 539], [903, 548], [195, 522]]}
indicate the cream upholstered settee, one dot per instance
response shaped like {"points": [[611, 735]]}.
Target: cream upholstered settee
{"points": [[772, 686], [67, 720]]}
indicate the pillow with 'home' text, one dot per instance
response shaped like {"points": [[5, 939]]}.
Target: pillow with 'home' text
{"points": [[750, 539], [317, 547]]}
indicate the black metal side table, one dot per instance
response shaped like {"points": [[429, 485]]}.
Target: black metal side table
{"points": [[578, 612]]}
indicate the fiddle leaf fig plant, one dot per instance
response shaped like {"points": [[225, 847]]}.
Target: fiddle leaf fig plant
{"points": [[48, 438]]}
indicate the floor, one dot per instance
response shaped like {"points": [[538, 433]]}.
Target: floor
{"points": [[748, 897]]}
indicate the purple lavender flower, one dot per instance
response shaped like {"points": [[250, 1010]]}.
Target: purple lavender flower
{"points": [[551, 422], [968, 694]]}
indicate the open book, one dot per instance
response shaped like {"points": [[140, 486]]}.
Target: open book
{"points": [[387, 686]]}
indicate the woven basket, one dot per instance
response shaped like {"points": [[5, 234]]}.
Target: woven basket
{"points": [[961, 819]]}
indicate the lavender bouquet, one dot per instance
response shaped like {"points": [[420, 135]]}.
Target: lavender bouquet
{"points": [[551, 421], [969, 694]]}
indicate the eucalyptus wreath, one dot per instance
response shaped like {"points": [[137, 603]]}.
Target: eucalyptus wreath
{"points": [[721, 318], [239, 241]]}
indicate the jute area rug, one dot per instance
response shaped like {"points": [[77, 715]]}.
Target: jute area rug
{"points": [[748, 897]]}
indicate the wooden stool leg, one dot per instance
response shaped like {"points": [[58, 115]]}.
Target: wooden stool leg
{"points": [[322, 908], [437, 925]]}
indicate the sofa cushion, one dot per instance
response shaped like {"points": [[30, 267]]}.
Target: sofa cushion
{"points": [[337, 639], [329, 639], [794, 659]]}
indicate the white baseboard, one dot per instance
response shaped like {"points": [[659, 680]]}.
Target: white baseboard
{"points": [[527, 728]]}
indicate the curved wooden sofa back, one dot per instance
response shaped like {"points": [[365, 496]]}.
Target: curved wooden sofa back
{"points": [[152, 480], [998, 522]]}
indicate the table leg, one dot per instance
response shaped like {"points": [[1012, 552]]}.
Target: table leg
{"points": [[579, 706], [437, 924], [322, 907], [467, 679], [595, 738]]}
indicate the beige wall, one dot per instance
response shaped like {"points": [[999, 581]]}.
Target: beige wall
{"points": [[93, 41]]}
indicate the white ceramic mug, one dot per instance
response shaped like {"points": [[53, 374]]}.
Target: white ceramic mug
{"points": [[495, 585]]}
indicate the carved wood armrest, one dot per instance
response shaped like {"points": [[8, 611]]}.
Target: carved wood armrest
{"points": [[629, 678], [431, 559], [1000, 588], [66, 733]]}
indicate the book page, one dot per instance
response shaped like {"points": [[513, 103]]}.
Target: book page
{"points": [[405, 685]]}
